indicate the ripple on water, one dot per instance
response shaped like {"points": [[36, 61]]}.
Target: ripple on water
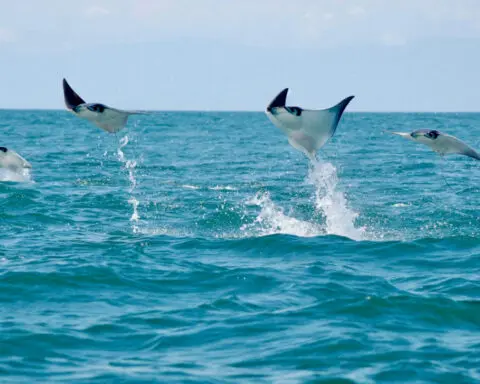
{"points": [[231, 260]]}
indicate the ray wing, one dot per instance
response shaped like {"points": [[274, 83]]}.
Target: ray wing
{"points": [[321, 125], [279, 100], [71, 97], [24, 163], [448, 144]]}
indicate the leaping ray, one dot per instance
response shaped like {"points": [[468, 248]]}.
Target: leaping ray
{"points": [[307, 130], [109, 119], [12, 160], [440, 143]]}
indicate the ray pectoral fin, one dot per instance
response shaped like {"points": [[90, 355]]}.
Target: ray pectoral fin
{"points": [[329, 118], [137, 112], [279, 100], [72, 99], [450, 145], [340, 108], [320, 125], [471, 153], [124, 112]]}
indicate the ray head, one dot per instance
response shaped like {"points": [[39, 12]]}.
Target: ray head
{"points": [[90, 108], [431, 134], [421, 135]]}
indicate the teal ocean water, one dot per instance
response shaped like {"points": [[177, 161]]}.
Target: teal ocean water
{"points": [[202, 248]]}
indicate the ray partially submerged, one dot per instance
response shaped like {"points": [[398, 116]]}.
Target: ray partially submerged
{"points": [[307, 130], [11, 160], [107, 118]]}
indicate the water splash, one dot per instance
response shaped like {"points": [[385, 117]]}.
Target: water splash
{"points": [[135, 216], [329, 202], [272, 220], [130, 166], [22, 176], [332, 203], [123, 142]]}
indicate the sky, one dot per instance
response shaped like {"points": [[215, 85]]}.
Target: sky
{"points": [[393, 55]]}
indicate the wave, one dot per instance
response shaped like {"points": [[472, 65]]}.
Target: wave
{"points": [[214, 188]]}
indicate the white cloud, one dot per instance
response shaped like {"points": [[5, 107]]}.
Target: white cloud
{"points": [[303, 23]]}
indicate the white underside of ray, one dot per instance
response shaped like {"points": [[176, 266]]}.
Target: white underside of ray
{"points": [[444, 144], [12, 160], [111, 120], [308, 132]]}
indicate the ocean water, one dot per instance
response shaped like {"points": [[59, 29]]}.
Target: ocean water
{"points": [[200, 247]]}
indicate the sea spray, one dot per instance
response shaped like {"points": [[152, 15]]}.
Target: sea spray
{"points": [[332, 203], [329, 202], [272, 220], [130, 167]]}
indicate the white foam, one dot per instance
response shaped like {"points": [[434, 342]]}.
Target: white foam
{"points": [[222, 188], [187, 186], [401, 205], [329, 201], [272, 220], [215, 188]]}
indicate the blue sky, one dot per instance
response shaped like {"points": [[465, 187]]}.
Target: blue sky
{"points": [[395, 55]]}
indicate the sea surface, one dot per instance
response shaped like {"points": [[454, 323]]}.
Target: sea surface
{"points": [[200, 247]]}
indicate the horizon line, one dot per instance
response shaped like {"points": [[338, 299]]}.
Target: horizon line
{"points": [[239, 110]]}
